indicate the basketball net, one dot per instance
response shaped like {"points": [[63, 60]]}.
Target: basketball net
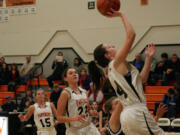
{"points": [[144, 2]]}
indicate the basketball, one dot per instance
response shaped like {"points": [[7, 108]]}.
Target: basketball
{"points": [[105, 6]]}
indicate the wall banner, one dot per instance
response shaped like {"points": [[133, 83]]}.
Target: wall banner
{"points": [[11, 3]]}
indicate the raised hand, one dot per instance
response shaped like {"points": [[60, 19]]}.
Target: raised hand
{"points": [[114, 13], [150, 50], [161, 110]]}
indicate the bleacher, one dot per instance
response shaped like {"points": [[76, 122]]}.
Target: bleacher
{"points": [[22, 88], [153, 93]]}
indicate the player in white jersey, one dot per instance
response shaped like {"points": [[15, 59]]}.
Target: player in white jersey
{"points": [[73, 107], [44, 113], [127, 81], [114, 107]]}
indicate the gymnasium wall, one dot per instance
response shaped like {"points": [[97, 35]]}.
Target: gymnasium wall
{"points": [[69, 23]]}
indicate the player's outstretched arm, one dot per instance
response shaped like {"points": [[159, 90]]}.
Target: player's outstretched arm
{"points": [[150, 50], [28, 115], [130, 36], [160, 111], [114, 121], [100, 120], [61, 107]]}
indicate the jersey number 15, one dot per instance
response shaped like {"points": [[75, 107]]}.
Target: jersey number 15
{"points": [[45, 122]]}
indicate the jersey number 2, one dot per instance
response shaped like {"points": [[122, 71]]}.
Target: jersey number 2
{"points": [[46, 122]]}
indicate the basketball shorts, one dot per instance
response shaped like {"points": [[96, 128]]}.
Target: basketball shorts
{"points": [[136, 120], [51, 131]]}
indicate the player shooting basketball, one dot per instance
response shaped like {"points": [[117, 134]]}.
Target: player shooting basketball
{"points": [[126, 81]]}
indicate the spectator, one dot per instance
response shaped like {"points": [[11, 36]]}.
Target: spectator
{"points": [[59, 64], [14, 78], [2, 61], [84, 79], [97, 120], [55, 94], [9, 106], [96, 95], [151, 80], [138, 62], [173, 70], [28, 97], [27, 105], [177, 97], [4, 75], [169, 100], [161, 67], [113, 107], [77, 64], [153, 65], [26, 70]]}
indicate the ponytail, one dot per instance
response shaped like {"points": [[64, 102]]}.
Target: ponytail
{"points": [[96, 74], [107, 87]]}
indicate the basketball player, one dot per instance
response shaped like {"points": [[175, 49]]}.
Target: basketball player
{"points": [[73, 107], [44, 113], [114, 107], [127, 81]]}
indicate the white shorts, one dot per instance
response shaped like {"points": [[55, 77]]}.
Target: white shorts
{"points": [[88, 130], [51, 131], [136, 120]]}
